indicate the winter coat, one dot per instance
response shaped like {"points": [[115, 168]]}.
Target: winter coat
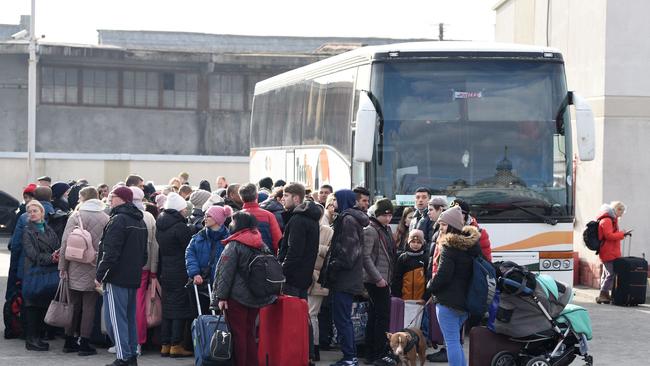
{"points": [[232, 272], [196, 220], [610, 234], [16, 266], [267, 224], [123, 248], [418, 215], [324, 239], [276, 208], [38, 247], [81, 276], [197, 254], [486, 246], [409, 281], [429, 228], [152, 243], [173, 236], [378, 253], [347, 271], [450, 283], [299, 246]]}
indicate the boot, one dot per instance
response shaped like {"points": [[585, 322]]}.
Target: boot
{"points": [[31, 344], [179, 351], [603, 298], [85, 349], [119, 362], [440, 356], [70, 345], [316, 353], [164, 350]]}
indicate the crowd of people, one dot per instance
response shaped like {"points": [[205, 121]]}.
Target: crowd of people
{"points": [[335, 247]]}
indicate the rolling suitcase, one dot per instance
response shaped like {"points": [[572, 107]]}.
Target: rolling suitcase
{"points": [[484, 345], [203, 327], [404, 314], [284, 333], [630, 281], [396, 322], [435, 334]]}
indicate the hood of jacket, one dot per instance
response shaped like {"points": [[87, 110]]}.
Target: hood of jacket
{"points": [[309, 209], [128, 209], [345, 199], [249, 237], [466, 240], [358, 215], [272, 205], [606, 211], [169, 218], [94, 205]]}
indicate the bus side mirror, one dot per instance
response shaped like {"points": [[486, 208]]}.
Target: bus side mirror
{"points": [[585, 126], [364, 137]]}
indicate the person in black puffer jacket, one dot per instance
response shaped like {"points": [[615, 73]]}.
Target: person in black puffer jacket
{"points": [[410, 281], [173, 236], [231, 286], [459, 246]]}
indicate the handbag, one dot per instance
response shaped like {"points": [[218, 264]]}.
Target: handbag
{"points": [[60, 312], [41, 282], [154, 304], [221, 342]]}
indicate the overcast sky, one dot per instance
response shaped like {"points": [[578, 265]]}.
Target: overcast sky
{"points": [[77, 20]]}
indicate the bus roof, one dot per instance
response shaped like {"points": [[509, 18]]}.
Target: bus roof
{"points": [[364, 55]]}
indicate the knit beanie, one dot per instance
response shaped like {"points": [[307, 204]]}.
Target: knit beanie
{"points": [[175, 202], [199, 197], [138, 196], [453, 217], [125, 193], [382, 207], [59, 189], [214, 199], [30, 189], [160, 201], [418, 233], [219, 214]]}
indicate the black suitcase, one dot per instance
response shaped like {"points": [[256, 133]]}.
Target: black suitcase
{"points": [[630, 281]]}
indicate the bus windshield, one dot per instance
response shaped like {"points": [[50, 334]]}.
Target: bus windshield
{"points": [[484, 130]]}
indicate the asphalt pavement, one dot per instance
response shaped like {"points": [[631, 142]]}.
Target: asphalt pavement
{"points": [[620, 337]]}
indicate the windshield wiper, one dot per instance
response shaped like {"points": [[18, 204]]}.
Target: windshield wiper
{"points": [[505, 206], [547, 220]]}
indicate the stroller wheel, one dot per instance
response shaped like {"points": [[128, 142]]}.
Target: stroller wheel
{"points": [[538, 361], [504, 358]]}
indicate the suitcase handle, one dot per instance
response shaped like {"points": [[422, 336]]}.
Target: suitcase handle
{"points": [[198, 302]]}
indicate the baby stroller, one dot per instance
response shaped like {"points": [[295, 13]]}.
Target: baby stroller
{"points": [[533, 310]]}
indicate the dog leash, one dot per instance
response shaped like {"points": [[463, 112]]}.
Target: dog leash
{"points": [[417, 315]]}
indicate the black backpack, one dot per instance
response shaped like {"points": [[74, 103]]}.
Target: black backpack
{"points": [[590, 236], [265, 275]]}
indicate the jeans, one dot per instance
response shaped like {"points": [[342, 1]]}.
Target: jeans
{"points": [[342, 315], [607, 277], [378, 320], [451, 321]]}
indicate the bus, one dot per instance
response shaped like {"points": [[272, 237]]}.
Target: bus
{"points": [[485, 122]]}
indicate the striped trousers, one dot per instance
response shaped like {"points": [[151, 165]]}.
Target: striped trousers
{"points": [[119, 313]]}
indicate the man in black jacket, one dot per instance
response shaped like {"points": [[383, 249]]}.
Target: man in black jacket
{"points": [[299, 246], [122, 254]]}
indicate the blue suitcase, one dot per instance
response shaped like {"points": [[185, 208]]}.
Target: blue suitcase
{"points": [[203, 328]]}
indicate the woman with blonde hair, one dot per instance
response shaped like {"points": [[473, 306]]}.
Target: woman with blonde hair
{"points": [[610, 249]]}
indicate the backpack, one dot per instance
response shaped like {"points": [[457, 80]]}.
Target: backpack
{"points": [[482, 287], [79, 245], [590, 236], [11, 313], [265, 275]]}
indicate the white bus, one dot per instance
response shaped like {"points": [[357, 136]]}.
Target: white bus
{"points": [[488, 123]]}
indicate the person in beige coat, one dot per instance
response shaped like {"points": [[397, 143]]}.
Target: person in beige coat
{"points": [[81, 276], [316, 292]]}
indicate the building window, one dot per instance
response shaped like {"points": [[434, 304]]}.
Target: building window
{"points": [[100, 87], [140, 89], [180, 90], [227, 92], [59, 85]]}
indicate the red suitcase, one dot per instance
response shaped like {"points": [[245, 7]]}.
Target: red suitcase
{"points": [[284, 333], [485, 344]]}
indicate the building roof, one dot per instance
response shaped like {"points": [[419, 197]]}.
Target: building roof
{"points": [[6, 30], [229, 43]]}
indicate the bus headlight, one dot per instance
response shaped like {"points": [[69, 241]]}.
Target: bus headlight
{"points": [[566, 264], [557, 264], [546, 264]]}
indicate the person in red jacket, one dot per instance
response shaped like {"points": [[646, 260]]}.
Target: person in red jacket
{"points": [[486, 246], [267, 223], [610, 249]]}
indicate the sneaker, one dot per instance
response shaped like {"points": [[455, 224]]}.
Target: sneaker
{"points": [[385, 361], [440, 356], [112, 350], [352, 362], [139, 350]]}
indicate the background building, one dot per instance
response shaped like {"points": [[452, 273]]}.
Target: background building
{"points": [[607, 54], [151, 103]]}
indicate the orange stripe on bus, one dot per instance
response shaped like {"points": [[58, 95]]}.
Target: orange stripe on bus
{"points": [[540, 240], [324, 167]]}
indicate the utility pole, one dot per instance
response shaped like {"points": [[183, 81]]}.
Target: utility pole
{"points": [[441, 31], [31, 98]]}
